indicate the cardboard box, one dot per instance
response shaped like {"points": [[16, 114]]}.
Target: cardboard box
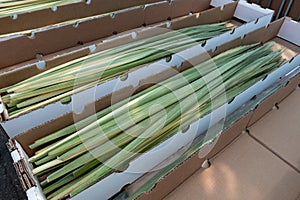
{"points": [[236, 11], [159, 185], [115, 182]]}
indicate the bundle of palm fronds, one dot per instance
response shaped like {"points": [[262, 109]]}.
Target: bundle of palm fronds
{"points": [[75, 157], [83, 73]]}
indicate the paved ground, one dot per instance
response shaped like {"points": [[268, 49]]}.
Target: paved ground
{"points": [[10, 187]]}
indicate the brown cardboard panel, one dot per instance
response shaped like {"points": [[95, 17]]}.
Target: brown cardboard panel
{"points": [[181, 8], [127, 20], [113, 41], [28, 21], [25, 21], [272, 100], [23, 48], [206, 17], [197, 59], [126, 36], [69, 36], [244, 171], [279, 129], [101, 28], [17, 73], [234, 43], [157, 12], [264, 34], [8, 59], [12, 51], [182, 22], [198, 6], [20, 65], [24, 73]]}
